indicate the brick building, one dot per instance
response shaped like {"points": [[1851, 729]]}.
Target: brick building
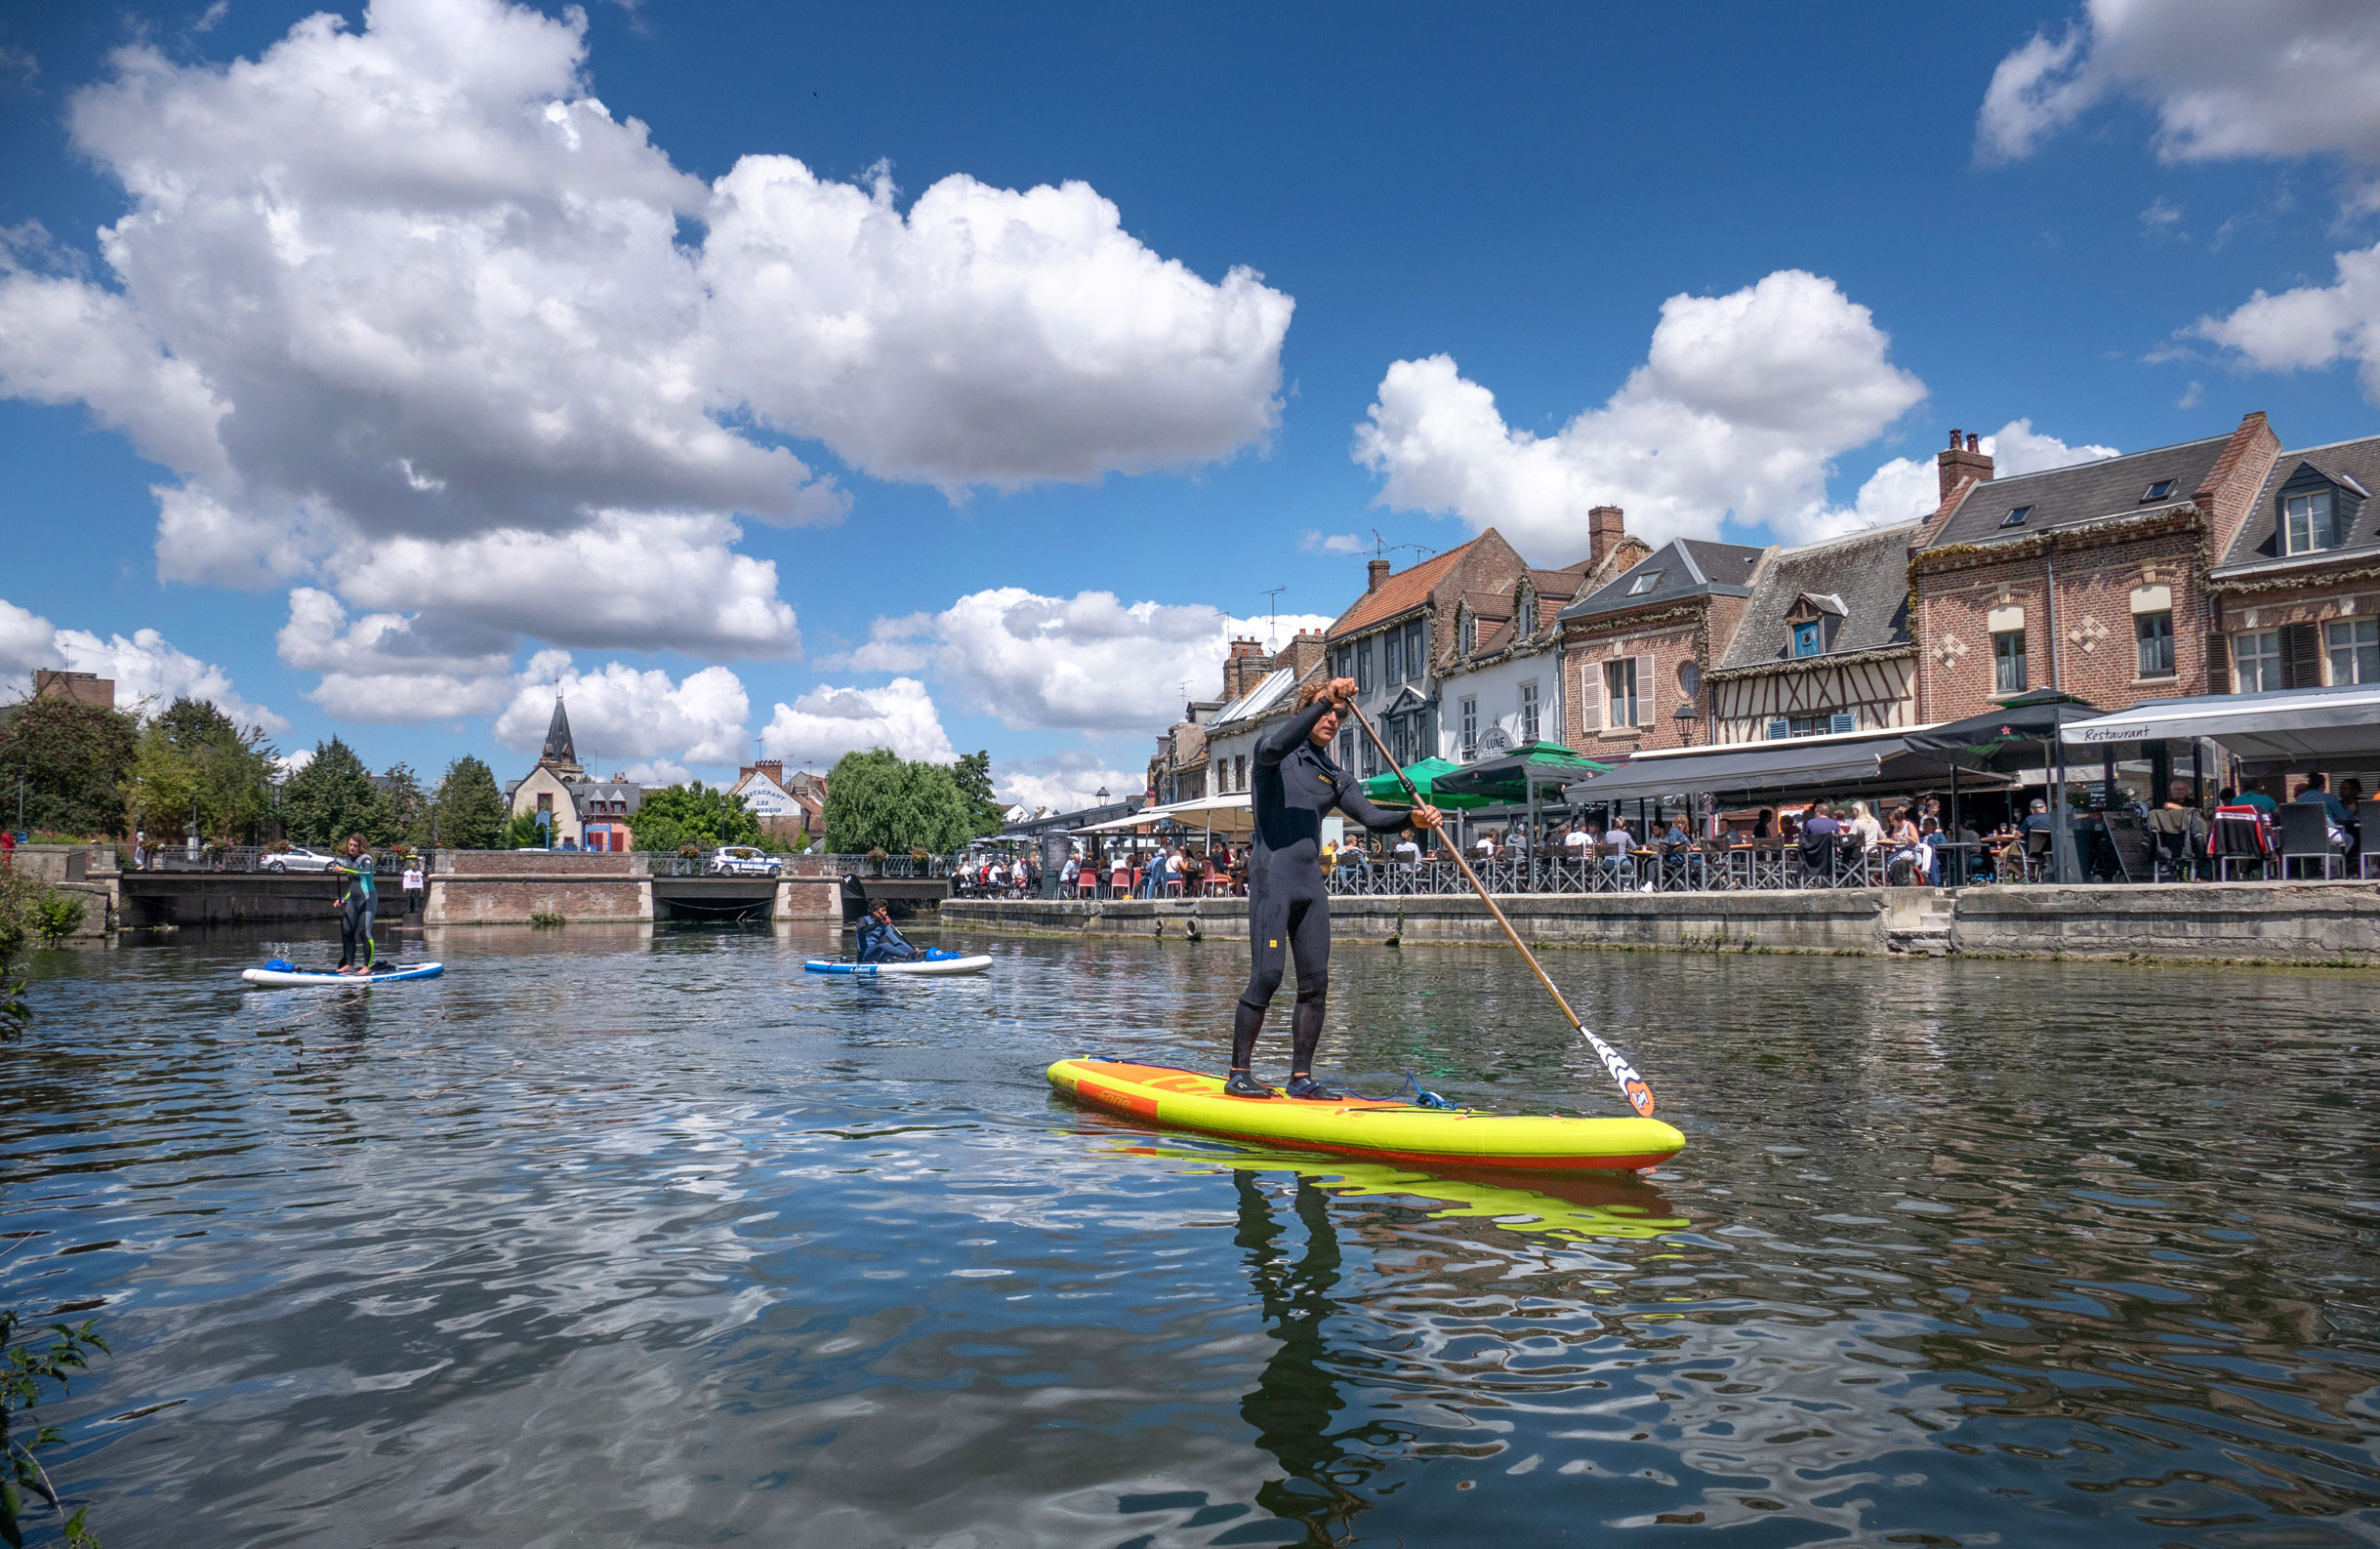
{"points": [[1822, 645], [1635, 651], [2091, 579], [83, 688], [2297, 590], [788, 808], [1266, 692], [1397, 639]]}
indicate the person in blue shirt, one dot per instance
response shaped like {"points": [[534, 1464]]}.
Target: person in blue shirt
{"points": [[879, 942], [2318, 791]]}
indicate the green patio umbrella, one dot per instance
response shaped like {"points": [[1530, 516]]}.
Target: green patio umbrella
{"points": [[1511, 778], [1384, 787]]}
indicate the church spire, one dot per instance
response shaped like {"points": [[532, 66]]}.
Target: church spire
{"points": [[559, 752]]}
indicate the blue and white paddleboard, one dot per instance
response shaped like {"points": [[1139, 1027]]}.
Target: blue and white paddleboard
{"points": [[933, 963], [279, 974]]}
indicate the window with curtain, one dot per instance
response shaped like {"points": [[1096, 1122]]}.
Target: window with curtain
{"points": [[2154, 635], [2354, 646], [1529, 712], [2308, 520], [1619, 692], [1417, 651], [2256, 662], [2008, 662]]}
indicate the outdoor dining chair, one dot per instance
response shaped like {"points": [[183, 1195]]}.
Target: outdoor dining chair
{"points": [[2305, 836], [2367, 829], [2237, 840]]}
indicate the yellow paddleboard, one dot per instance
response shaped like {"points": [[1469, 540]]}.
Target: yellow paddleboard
{"points": [[1364, 1126]]}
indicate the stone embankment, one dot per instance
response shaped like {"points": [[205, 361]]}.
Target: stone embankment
{"points": [[2331, 923]]}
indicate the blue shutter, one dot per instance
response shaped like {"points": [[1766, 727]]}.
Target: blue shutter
{"points": [[1842, 721], [1779, 730]]}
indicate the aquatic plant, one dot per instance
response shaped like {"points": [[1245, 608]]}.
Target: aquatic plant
{"points": [[25, 1367]]}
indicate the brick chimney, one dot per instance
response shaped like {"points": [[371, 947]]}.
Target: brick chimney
{"points": [[1964, 460], [1605, 526], [1378, 571], [774, 768], [1302, 654], [1244, 668]]}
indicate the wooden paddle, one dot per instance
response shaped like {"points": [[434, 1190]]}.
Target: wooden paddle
{"points": [[1632, 1086]]}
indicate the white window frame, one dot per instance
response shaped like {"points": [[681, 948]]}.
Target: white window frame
{"points": [[1529, 712], [1644, 582], [2313, 504], [1620, 701], [2256, 653], [2351, 650], [1470, 727]]}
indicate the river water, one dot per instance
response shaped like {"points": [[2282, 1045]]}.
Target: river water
{"points": [[647, 1238]]}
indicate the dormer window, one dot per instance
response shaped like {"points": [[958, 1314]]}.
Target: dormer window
{"points": [[1808, 639], [1644, 582], [2016, 517], [2162, 489], [2309, 522], [1469, 627]]}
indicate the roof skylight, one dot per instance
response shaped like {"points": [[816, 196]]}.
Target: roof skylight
{"points": [[2016, 519]]}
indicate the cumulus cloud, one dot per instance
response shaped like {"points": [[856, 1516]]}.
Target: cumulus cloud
{"points": [[2312, 326], [145, 668], [1065, 781], [1320, 543], [27, 640], [1086, 663], [825, 723], [2280, 79], [380, 667], [413, 317], [620, 712], [1742, 404]]}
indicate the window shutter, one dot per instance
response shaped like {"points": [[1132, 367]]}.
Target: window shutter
{"points": [[1590, 697], [2218, 664], [2301, 656], [1842, 721], [1648, 712], [1779, 730]]}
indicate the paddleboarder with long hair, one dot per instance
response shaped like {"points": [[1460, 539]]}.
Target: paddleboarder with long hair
{"points": [[1294, 783]]}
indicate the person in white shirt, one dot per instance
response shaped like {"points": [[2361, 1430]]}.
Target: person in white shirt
{"points": [[1578, 841], [1486, 844], [1409, 853], [1863, 823], [412, 880]]}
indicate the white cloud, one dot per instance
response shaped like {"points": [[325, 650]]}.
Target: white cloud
{"points": [[1320, 543], [27, 640], [380, 667], [2312, 326], [294, 761], [1065, 781], [410, 313], [2280, 79], [656, 772], [1085, 662], [1908, 487], [825, 723], [1740, 407], [147, 667], [619, 713]]}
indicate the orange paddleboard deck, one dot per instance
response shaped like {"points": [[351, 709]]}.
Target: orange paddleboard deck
{"points": [[1369, 1127]]}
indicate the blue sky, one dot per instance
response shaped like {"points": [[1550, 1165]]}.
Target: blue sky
{"points": [[1873, 240]]}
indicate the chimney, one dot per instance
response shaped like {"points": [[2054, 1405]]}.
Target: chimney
{"points": [[1302, 654], [1244, 668], [1378, 570], [1965, 460], [1605, 526]]}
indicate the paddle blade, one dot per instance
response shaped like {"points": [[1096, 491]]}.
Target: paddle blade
{"points": [[1632, 1084]]}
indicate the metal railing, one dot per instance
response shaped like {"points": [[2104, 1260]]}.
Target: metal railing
{"points": [[244, 858], [889, 866]]}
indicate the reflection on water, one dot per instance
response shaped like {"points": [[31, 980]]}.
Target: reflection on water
{"points": [[637, 1237]]}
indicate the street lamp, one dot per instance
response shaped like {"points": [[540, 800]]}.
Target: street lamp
{"points": [[1103, 795]]}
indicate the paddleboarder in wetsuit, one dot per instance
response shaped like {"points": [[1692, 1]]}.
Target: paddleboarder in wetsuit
{"points": [[1293, 785], [879, 942], [356, 902]]}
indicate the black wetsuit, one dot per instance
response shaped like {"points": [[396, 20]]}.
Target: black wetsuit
{"points": [[1293, 785], [356, 904]]}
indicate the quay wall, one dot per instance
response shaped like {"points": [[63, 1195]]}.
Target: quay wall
{"points": [[2336, 923]]}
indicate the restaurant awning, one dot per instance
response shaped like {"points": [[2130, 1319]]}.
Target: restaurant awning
{"points": [[1509, 778], [2009, 737], [1223, 814], [2271, 732], [1744, 773]]}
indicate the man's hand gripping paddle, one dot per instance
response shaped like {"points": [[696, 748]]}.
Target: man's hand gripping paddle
{"points": [[1632, 1086]]}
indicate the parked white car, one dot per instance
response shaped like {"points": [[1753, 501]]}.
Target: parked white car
{"points": [[741, 860], [297, 858]]}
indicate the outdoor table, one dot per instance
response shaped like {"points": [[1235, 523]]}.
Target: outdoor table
{"points": [[1955, 861]]}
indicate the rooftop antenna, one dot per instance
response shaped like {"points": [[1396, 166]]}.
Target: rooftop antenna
{"points": [[1272, 627], [1381, 547]]}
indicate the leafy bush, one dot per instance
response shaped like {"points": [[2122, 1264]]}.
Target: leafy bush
{"points": [[24, 1369], [58, 915], [75, 760]]}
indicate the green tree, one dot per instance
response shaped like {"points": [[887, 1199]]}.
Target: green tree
{"points": [[880, 801], [705, 816], [974, 773], [470, 809], [193, 760], [407, 806], [522, 833], [74, 760], [332, 797]]}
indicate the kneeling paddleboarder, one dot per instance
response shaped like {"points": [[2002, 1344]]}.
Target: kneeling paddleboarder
{"points": [[1293, 785]]}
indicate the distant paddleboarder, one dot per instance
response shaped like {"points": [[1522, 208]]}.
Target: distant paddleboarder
{"points": [[358, 902], [1293, 785]]}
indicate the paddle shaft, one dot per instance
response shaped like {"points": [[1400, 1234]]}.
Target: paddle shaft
{"points": [[1632, 1086]]}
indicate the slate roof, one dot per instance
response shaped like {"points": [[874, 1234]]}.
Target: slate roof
{"points": [[2060, 497], [1867, 572], [2358, 460], [1688, 567]]}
